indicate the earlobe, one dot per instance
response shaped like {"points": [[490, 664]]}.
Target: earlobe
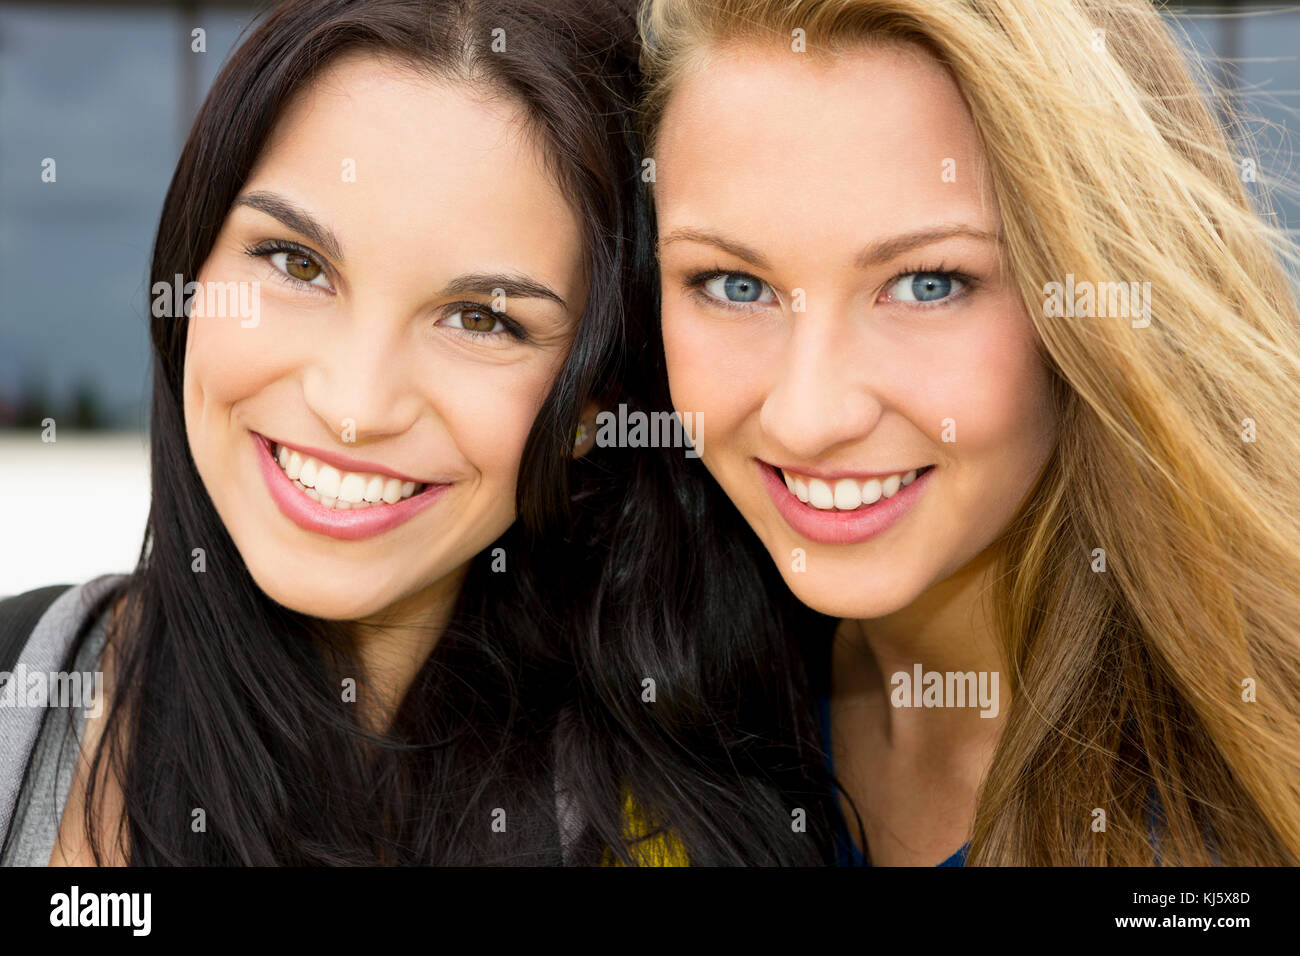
{"points": [[585, 436]]}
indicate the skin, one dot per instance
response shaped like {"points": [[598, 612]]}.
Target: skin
{"points": [[448, 183], [847, 152]]}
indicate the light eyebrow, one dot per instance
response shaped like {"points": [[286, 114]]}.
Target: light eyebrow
{"points": [[883, 250], [739, 250], [296, 218], [511, 286]]}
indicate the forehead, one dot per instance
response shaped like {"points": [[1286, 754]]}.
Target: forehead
{"points": [[806, 146], [382, 151]]}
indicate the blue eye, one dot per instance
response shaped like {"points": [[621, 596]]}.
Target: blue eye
{"points": [[925, 287], [738, 288]]}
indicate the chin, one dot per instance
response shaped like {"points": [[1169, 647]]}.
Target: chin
{"points": [[851, 593], [317, 595]]}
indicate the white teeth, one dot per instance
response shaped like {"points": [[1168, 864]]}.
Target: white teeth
{"points": [[328, 480], [819, 494], [846, 494], [337, 503], [392, 491], [352, 489], [343, 490]]}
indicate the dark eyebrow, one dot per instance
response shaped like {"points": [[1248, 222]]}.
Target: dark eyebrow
{"points": [[880, 251], [296, 218], [511, 286], [301, 221]]}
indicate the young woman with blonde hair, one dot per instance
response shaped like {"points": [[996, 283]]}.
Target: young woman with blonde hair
{"points": [[999, 361]]}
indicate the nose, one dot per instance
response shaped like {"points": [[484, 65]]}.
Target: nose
{"points": [[821, 398], [361, 385]]}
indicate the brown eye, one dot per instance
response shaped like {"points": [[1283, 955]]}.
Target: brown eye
{"points": [[295, 265], [301, 267], [482, 322], [477, 320]]}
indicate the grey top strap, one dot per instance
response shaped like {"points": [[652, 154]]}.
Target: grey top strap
{"points": [[43, 655]]}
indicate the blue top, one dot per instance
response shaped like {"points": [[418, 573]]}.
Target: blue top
{"points": [[846, 851]]}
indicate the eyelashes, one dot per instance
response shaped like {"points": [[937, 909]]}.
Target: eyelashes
{"points": [[697, 284], [303, 259], [749, 290], [310, 266], [508, 325], [925, 282], [714, 287]]}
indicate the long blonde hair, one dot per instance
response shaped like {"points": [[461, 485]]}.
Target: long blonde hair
{"points": [[1171, 678]]}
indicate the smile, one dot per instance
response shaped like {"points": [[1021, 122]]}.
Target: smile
{"points": [[320, 497], [845, 509], [845, 494], [340, 489]]}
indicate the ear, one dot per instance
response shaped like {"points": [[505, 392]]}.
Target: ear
{"points": [[585, 439]]}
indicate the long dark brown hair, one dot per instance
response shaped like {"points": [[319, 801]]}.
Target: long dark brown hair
{"points": [[228, 702]]}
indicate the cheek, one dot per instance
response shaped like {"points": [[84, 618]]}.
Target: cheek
{"points": [[490, 414], [227, 363], [988, 402], [224, 363], [707, 374], [681, 353]]}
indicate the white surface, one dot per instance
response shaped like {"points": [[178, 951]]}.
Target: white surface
{"points": [[76, 507]]}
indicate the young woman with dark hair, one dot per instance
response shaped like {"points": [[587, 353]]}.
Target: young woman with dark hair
{"points": [[375, 617]]}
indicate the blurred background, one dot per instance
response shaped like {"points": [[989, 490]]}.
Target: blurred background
{"points": [[108, 90]]}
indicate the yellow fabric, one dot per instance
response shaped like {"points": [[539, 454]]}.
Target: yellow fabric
{"points": [[659, 849]]}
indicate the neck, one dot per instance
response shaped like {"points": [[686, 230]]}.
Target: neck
{"points": [[393, 645], [949, 628]]}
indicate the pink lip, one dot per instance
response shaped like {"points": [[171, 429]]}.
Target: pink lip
{"points": [[350, 525], [840, 527], [811, 471], [344, 463]]}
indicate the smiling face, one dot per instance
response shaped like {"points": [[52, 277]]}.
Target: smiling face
{"points": [[417, 276], [835, 310]]}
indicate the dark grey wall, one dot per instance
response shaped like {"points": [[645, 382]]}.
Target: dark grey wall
{"points": [[108, 90]]}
